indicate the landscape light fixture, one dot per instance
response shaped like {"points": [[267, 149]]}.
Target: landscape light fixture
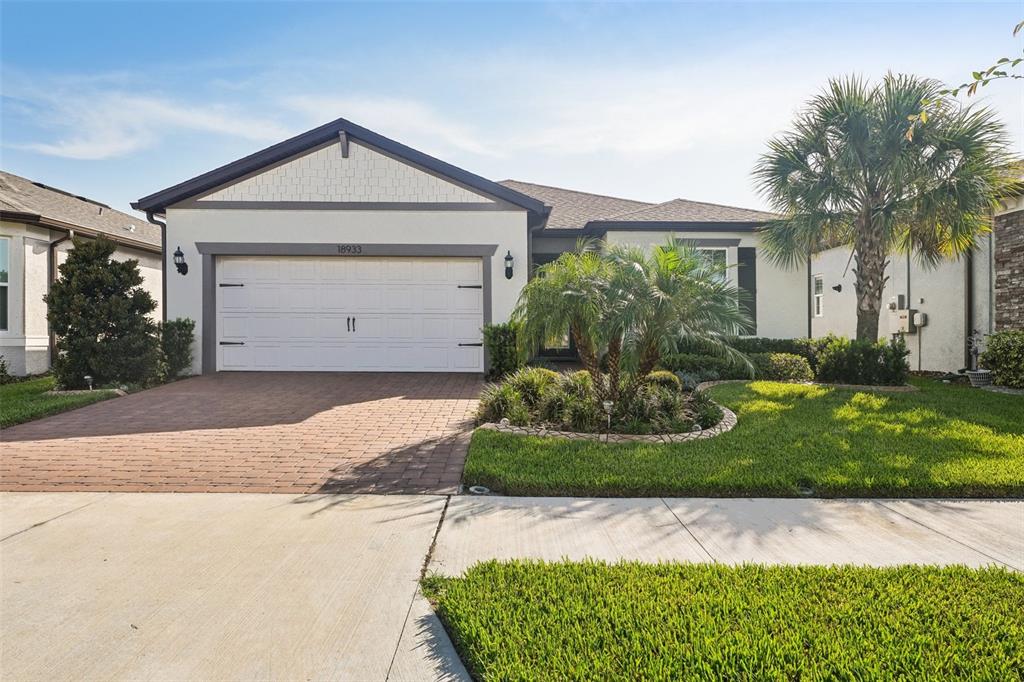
{"points": [[179, 261]]}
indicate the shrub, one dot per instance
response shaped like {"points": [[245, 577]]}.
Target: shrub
{"points": [[705, 412], [1004, 355], [666, 379], [500, 343], [5, 372], [706, 367], [176, 337], [781, 367], [804, 347], [530, 382], [100, 314], [862, 362], [502, 401]]}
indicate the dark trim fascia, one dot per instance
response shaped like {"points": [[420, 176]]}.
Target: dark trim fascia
{"points": [[210, 251], [603, 226], [320, 249], [91, 232], [329, 133], [343, 205]]}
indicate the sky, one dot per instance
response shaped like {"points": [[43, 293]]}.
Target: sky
{"points": [[648, 101]]}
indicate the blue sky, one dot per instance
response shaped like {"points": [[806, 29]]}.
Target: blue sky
{"points": [[650, 101]]}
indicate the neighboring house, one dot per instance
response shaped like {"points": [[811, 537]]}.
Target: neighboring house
{"points": [[975, 295], [343, 250], [36, 226]]}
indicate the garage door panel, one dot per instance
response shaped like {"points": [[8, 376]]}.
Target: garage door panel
{"points": [[349, 314]]}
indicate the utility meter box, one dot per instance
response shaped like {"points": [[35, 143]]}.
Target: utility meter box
{"points": [[906, 321], [920, 319]]}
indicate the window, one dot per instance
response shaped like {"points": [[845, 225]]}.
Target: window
{"points": [[716, 258], [5, 268], [819, 295]]}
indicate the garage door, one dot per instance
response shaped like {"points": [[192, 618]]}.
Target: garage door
{"points": [[349, 314]]}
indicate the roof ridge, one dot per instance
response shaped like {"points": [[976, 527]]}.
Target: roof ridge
{"points": [[579, 191]]}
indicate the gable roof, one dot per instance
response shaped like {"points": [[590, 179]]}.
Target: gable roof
{"points": [[573, 210], [159, 201], [23, 200]]}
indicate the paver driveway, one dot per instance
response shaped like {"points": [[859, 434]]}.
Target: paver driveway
{"points": [[285, 432]]}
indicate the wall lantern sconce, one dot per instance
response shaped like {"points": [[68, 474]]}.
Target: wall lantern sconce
{"points": [[837, 288], [179, 261], [509, 260]]}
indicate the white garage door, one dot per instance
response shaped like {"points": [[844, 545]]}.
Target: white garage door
{"points": [[349, 314]]}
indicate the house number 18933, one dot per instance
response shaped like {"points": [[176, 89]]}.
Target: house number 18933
{"points": [[350, 249]]}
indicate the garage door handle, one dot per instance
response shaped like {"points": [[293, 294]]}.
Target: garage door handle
{"points": [[348, 324], [471, 344], [470, 286], [226, 284], [353, 324], [232, 343]]}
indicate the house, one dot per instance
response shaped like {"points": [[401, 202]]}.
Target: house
{"points": [[343, 250], [945, 311], [37, 223]]}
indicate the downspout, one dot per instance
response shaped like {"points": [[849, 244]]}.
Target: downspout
{"points": [[810, 300], [163, 262], [51, 277], [968, 309]]}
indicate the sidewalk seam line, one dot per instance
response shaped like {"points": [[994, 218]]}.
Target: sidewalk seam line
{"points": [[948, 537], [43, 523], [680, 521], [423, 573]]}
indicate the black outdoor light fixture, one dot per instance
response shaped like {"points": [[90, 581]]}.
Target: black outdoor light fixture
{"points": [[179, 261], [509, 260], [837, 288]]}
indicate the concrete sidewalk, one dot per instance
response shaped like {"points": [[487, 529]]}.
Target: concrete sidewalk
{"points": [[774, 531], [218, 586]]}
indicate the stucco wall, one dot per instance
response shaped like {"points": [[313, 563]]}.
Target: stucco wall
{"points": [[937, 291], [781, 293], [25, 343], [187, 226]]}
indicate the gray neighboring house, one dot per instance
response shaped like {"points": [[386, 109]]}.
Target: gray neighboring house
{"points": [[36, 225]]}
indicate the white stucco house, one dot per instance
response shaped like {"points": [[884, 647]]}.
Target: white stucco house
{"points": [[343, 250], [37, 223]]}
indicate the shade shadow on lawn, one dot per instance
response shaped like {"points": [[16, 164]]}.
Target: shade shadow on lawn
{"points": [[941, 441]]}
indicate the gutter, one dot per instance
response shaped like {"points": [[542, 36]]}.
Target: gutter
{"points": [[51, 277], [54, 224], [163, 262]]}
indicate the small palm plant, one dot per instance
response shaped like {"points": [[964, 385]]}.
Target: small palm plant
{"points": [[848, 174], [631, 305]]}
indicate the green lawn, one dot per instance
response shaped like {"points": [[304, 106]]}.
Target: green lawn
{"points": [[943, 441], [632, 621], [27, 400]]}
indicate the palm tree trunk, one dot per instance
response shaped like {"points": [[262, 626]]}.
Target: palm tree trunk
{"points": [[870, 257], [588, 358]]}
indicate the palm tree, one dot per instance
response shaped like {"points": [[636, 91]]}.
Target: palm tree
{"points": [[632, 305], [848, 174]]}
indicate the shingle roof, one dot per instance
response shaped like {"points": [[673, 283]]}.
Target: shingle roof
{"points": [[684, 211], [21, 195], [573, 210]]}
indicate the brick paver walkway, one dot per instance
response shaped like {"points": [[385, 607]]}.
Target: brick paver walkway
{"points": [[255, 432]]}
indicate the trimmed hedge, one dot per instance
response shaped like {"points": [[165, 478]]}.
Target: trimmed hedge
{"points": [[500, 342], [781, 367], [843, 361], [1004, 355], [806, 348]]}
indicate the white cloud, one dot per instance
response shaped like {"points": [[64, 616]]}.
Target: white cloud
{"points": [[90, 122], [408, 120]]}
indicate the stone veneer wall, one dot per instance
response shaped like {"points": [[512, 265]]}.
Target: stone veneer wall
{"points": [[1009, 267]]}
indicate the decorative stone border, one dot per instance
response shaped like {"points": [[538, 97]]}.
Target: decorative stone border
{"points": [[905, 388], [81, 391], [727, 423]]}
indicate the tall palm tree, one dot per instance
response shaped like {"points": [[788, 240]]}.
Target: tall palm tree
{"points": [[847, 174]]}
